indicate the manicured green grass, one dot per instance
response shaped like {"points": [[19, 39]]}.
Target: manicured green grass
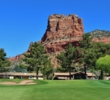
{"points": [[58, 90]]}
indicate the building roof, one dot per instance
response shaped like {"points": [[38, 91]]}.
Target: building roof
{"points": [[19, 74], [91, 74], [34, 74], [67, 74], [62, 74]]}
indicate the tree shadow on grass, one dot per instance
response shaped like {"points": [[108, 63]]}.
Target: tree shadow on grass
{"points": [[40, 82]]}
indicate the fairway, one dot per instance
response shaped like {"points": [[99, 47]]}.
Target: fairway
{"points": [[58, 90]]}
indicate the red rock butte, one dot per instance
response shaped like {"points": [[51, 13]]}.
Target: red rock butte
{"points": [[62, 30]]}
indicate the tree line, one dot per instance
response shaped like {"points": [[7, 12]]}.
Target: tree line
{"points": [[87, 55]]}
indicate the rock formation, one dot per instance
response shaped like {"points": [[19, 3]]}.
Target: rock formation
{"points": [[60, 27], [16, 58], [62, 30], [102, 39]]}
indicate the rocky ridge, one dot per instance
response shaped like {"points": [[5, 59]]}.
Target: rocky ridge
{"points": [[101, 36]]}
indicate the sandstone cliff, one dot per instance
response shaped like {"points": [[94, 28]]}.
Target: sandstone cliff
{"points": [[62, 30]]}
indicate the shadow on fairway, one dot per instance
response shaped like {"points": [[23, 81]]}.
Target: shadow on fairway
{"points": [[105, 82], [40, 82]]}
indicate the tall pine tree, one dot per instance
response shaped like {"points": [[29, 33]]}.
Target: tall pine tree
{"points": [[4, 62], [68, 58], [36, 58], [87, 52]]}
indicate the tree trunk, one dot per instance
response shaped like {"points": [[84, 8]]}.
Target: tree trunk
{"points": [[101, 75], [47, 77], [85, 73], [37, 71], [70, 73]]}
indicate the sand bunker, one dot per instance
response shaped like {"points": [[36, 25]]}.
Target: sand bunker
{"points": [[27, 82], [21, 83]]}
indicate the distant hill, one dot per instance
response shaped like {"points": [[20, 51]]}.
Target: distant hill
{"points": [[100, 33]]}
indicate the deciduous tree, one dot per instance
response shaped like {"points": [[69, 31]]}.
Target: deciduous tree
{"points": [[103, 64]]}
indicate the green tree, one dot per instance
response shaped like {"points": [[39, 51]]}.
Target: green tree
{"points": [[87, 52], [103, 64], [68, 58], [101, 49], [4, 62], [47, 69], [19, 66], [35, 59], [91, 51]]}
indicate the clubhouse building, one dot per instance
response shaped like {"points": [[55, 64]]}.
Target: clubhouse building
{"points": [[59, 76]]}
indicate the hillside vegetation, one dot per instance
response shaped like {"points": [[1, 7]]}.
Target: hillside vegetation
{"points": [[100, 33]]}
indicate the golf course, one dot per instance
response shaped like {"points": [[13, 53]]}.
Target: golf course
{"points": [[56, 90]]}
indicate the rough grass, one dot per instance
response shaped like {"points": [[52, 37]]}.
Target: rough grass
{"points": [[58, 90]]}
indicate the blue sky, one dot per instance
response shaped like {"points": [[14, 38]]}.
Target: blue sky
{"points": [[25, 21]]}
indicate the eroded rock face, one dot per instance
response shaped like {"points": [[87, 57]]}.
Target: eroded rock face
{"points": [[102, 39], [62, 30], [60, 27], [61, 45]]}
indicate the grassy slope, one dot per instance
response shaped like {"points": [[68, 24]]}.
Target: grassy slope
{"points": [[58, 90]]}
